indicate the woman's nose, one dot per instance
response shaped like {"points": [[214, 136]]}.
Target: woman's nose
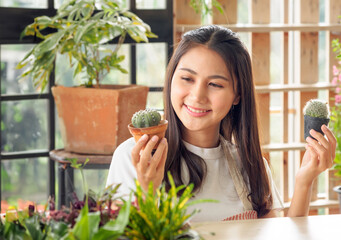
{"points": [[199, 93]]}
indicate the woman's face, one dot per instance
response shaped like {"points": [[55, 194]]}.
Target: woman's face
{"points": [[202, 91]]}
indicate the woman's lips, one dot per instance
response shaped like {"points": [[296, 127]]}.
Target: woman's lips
{"points": [[196, 112]]}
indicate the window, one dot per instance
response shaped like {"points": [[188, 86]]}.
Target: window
{"points": [[29, 128]]}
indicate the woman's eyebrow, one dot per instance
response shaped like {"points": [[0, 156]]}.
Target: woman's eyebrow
{"points": [[210, 77]]}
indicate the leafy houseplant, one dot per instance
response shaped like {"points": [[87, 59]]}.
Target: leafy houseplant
{"points": [[81, 29], [316, 113], [147, 122]]}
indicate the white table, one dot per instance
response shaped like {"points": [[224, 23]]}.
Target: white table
{"points": [[322, 227]]}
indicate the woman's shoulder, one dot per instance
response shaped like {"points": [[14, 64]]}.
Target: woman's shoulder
{"points": [[124, 149], [129, 143]]}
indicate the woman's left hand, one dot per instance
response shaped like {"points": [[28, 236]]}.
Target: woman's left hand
{"points": [[319, 156]]}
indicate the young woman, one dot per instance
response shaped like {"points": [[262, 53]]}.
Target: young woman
{"points": [[212, 138]]}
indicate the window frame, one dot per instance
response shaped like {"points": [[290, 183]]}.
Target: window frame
{"points": [[13, 22]]}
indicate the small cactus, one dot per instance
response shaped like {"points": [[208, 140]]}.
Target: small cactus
{"points": [[146, 118], [316, 108]]}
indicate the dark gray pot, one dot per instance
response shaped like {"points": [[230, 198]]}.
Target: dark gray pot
{"points": [[313, 123], [338, 190]]}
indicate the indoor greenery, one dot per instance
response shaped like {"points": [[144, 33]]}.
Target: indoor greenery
{"points": [[81, 29], [335, 118], [205, 7], [160, 215]]}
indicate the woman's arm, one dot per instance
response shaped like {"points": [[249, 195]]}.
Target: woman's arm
{"points": [[319, 156]]}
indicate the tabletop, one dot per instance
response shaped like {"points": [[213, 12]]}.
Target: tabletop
{"points": [[319, 227], [60, 155]]}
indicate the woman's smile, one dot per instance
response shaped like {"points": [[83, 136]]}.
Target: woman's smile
{"points": [[196, 112]]}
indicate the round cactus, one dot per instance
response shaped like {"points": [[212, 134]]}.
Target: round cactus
{"points": [[316, 108], [146, 118]]}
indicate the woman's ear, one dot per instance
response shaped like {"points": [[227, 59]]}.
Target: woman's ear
{"points": [[236, 100]]}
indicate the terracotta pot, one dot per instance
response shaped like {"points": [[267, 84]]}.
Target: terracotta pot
{"points": [[158, 130], [94, 121]]}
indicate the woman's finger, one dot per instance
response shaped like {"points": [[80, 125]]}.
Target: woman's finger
{"points": [[331, 138], [320, 149], [147, 153], [135, 152], [157, 157], [320, 138], [164, 157], [313, 155]]}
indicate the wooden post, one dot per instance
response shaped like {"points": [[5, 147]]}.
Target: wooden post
{"points": [[308, 70], [230, 12], [184, 14], [260, 53]]}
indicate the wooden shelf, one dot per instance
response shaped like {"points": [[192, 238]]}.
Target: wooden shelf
{"points": [[320, 203], [273, 27], [283, 147], [294, 87]]}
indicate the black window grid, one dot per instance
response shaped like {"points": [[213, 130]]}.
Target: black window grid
{"points": [[12, 23]]}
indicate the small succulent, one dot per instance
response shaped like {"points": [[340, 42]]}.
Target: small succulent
{"points": [[316, 108], [146, 118]]}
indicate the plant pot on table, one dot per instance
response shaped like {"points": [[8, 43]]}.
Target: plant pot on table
{"points": [[94, 120]]}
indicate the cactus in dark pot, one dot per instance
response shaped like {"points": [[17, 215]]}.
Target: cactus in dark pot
{"points": [[316, 113], [146, 118]]}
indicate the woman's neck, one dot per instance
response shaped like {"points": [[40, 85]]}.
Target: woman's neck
{"points": [[202, 139]]}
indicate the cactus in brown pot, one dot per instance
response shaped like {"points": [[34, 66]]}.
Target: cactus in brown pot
{"points": [[148, 122]]}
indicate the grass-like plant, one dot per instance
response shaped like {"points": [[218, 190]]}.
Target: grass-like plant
{"points": [[162, 215]]}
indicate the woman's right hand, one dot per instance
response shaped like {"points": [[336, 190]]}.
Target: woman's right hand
{"points": [[149, 168]]}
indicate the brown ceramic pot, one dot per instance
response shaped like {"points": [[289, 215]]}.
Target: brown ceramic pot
{"points": [[94, 120], [158, 130]]}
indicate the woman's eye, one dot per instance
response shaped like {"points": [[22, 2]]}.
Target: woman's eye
{"points": [[215, 85], [186, 79]]}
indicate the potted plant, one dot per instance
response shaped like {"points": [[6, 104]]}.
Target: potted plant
{"points": [[316, 113], [81, 30], [147, 122]]}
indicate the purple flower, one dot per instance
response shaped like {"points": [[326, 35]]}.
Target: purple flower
{"points": [[30, 210]]}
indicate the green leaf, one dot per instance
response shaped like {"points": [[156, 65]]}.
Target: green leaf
{"points": [[58, 229], [48, 44], [86, 225], [74, 163], [67, 46], [32, 224], [84, 29], [115, 228]]}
